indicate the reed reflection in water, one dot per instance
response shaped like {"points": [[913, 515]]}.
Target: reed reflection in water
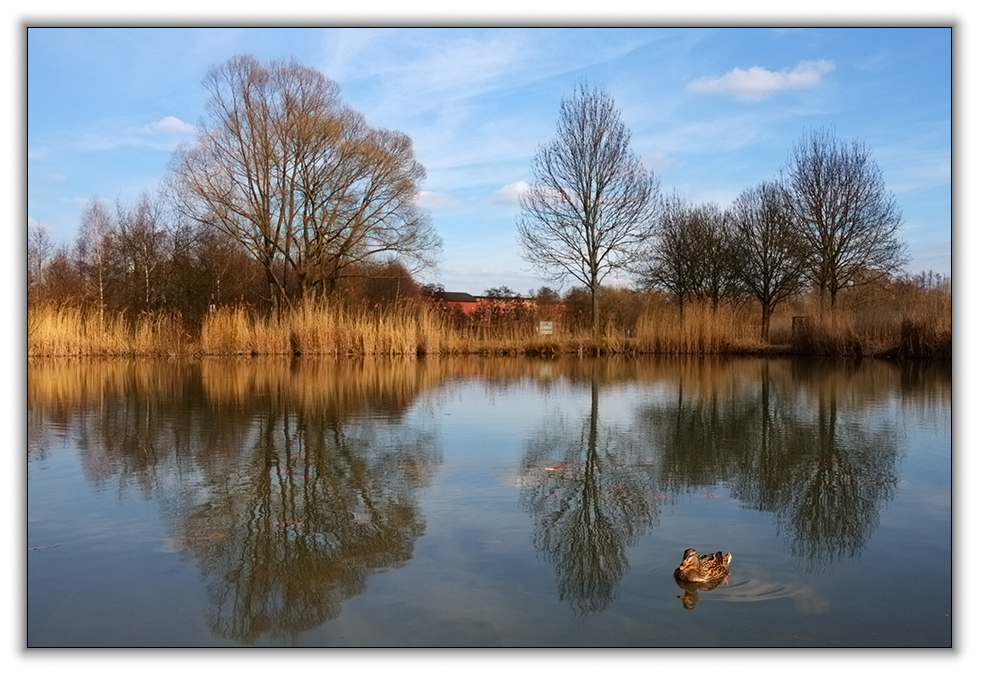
{"points": [[287, 484]]}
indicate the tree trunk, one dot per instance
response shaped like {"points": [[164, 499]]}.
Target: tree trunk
{"points": [[102, 297], [765, 326], [596, 313]]}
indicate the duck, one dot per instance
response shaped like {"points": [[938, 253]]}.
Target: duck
{"points": [[703, 569]]}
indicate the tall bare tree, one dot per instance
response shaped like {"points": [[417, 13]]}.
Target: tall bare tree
{"points": [[228, 178], [692, 255], [769, 255], [843, 213], [592, 204], [299, 179], [141, 246], [93, 253], [39, 250]]}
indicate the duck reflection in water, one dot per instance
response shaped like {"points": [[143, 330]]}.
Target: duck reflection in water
{"points": [[700, 573]]}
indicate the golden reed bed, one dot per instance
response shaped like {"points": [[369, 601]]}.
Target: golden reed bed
{"points": [[911, 330]]}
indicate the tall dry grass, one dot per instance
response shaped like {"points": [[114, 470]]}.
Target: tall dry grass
{"points": [[699, 329], [903, 320], [910, 321], [70, 330], [324, 329]]}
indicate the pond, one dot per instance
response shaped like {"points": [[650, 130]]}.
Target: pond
{"points": [[482, 502]]}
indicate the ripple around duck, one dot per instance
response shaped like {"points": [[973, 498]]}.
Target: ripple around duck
{"points": [[752, 590], [755, 590]]}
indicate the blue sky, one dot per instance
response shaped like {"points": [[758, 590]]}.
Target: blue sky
{"points": [[712, 112]]}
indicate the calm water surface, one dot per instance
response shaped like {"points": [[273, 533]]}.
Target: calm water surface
{"points": [[487, 502]]}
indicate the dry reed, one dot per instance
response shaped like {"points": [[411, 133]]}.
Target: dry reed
{"points": [[918, 324], [915, 323], [700, 329], [68, 330]]}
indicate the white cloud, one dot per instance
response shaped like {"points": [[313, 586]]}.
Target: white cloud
{"points": [[164, 134], [509, 193], [758, 83], [437, 201], [168, 125]]}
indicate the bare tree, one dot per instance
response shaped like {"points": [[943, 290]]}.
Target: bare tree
{"points": [[668, 266], [769, 255], [713, 263], [691, 256], [227, 179], [299, 179], [592, 204], [39, 250], [93, 253], [843, 213], [141, 244], [362, 209]]}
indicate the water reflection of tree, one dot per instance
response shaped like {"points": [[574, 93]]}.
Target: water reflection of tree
{"points": [[703, 429], [837, 468], [797, 446], [321, 504], [288, 483], [589, 489]]}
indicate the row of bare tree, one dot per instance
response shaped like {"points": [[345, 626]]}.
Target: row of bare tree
{"points": [[593, 208], [143, 258], [288, 194], [828, 223], [138, 258]]}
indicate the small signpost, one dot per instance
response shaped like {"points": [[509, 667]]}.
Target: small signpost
{"points": [[545, 327]]}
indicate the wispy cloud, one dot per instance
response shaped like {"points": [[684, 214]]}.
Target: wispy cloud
{"points": [[758, 83], [408, 72], [432, 68], [461, 94], [711, 135], [510, 193], [437, 201], [165, 134]]}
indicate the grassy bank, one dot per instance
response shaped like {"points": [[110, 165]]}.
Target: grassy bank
{"points": [[916, 330]]}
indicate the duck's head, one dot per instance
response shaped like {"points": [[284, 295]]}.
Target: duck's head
{"points": [[689, 557]]}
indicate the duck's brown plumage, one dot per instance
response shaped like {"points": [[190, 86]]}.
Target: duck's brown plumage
{"points": [[696, 568]]}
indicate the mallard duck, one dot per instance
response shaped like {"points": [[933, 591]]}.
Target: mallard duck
{"points": [[700, 569]]}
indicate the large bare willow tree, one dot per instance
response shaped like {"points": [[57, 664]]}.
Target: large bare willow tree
{"points": [[312, 191], [843, 214], [592, 204]]}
